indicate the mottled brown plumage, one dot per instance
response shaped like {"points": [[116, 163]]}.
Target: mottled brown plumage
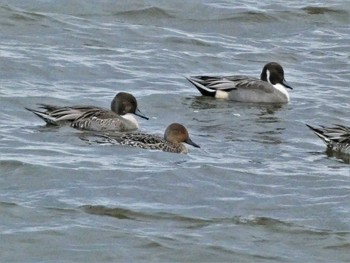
{"points": [[174, 136]]}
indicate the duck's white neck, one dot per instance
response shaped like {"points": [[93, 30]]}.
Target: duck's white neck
{"points": [[282, 90], [130, 117]]}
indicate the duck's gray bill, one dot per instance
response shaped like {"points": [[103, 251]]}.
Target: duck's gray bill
{"points": [[190, 142], [140, 114], [285, 83]]}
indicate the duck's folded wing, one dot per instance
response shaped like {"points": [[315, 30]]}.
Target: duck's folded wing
{"points": [[338, 133], [66, 113], [212, 82], [99, 119], [228, 83], [54, 108]]}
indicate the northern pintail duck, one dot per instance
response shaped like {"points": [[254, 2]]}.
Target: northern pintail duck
{"points": [[175, 134], [119, 118], [337, 138], [270, 88]]}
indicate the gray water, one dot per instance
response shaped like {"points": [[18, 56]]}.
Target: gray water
{"points": [[260, 189]]}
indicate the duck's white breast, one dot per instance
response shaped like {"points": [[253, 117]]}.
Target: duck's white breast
{"points": [[133, 122]]}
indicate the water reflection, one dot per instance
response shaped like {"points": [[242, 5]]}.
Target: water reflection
{"points": [[203, 102], [244, 121]]}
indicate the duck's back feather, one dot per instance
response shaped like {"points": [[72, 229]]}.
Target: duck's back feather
{"points": [[229, 83]]}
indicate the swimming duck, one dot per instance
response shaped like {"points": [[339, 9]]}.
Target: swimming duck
{"points": [[119, 118], [270, 88], [175, 134], [337, 138]]}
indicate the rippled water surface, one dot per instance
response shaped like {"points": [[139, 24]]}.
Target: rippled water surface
{"points": [[260, 189]]}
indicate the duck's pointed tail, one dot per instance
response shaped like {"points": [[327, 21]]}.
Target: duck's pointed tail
{"points": [[321, 135], [205, 91], [44, 116]]}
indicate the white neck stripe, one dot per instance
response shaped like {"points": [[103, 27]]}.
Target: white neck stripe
{"points": [[268, 76]]}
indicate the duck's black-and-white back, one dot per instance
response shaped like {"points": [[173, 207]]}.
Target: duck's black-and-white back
{"points": [[60, 115]]}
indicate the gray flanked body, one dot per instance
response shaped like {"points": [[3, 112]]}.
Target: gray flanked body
{"points": [[270, 88], [105, 120]]}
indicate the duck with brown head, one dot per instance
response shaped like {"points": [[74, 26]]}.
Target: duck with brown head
{"points": [[175, 135]]}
